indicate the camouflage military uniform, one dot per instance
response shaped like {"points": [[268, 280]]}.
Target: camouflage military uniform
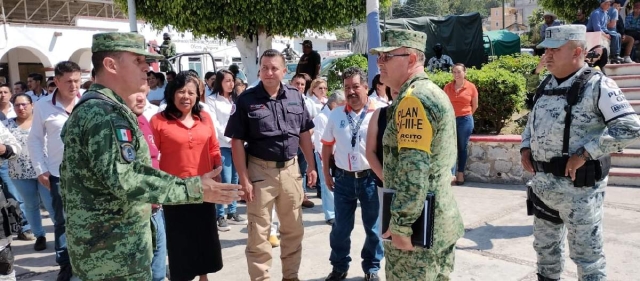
{"points": [[107, 182], [167, 49], [418, 156], [602, 106], [413, 172]]}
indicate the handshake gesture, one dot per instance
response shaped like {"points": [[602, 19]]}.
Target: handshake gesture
{"points": [[216, 192]]}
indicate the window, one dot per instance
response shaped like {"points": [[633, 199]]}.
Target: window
{"points": [[195, 64]]}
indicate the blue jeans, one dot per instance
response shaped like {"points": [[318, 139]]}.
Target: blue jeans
{"points": [[327, 196], [302, 164], [10, 191], [464, 128], [32, 192], [615, 43], [347, 192], [159, 261], [228, 175], [59, 229]]}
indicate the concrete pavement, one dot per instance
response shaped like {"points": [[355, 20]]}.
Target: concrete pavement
{"points": [[497, 244]]}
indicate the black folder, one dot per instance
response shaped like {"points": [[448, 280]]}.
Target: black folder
{"points": [[423, 227]]}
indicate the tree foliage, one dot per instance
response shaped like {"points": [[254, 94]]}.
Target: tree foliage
{"points": [[421, 8], [228, 19], [566, 9], [334, 80]]}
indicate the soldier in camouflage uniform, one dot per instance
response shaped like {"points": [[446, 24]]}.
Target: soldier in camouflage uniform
{"points": [[578, 210], [418, 156], [107, 179], [167, 49]]}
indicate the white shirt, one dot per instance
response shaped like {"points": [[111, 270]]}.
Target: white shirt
{"points": [[156, 94], [35, 98], [380, 102], [320, 123], [48, 118], [11, 113], [319, 103], [150, 110], [221, 108], [311, 107], [338, 133]]}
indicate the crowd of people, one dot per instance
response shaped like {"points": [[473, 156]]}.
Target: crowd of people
{"points": [[133, 164]]}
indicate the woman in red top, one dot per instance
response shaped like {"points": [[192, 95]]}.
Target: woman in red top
{"points": [[186, 139], [464, 98]]}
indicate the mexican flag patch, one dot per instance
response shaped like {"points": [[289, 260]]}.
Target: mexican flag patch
{"points": [[124, 135]]}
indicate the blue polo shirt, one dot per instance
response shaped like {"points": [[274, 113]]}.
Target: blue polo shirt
{"points": [[270, 127], [598, 21]]}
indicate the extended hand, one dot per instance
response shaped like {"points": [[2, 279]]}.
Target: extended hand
{"points": [[398, 241], [219, 193]]}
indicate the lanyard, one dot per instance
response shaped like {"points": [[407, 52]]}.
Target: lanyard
{"points": [[355, 128]]}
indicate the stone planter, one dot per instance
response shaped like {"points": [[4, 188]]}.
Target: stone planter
{"points": [[495, 159]]}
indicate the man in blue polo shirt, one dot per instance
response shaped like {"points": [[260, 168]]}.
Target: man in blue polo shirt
{"points": [[598, 22]]}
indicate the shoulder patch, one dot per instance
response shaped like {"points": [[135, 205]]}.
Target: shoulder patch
{"points": [[124, 135], [414, 128], [128, 152]]}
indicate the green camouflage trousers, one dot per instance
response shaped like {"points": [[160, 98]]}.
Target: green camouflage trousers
{"points": [[421, 264], [581, 211]]}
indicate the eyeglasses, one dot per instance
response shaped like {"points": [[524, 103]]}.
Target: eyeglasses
{"points": [[322, 88], [18, 105], [385, 57]]}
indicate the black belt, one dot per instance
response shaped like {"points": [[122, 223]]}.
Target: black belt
{"points": [[542, 167], [357, 174]]}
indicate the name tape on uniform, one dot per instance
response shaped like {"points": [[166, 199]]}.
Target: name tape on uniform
{"points": [[414, 128]]}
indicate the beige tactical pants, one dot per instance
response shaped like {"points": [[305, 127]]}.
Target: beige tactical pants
{"points": [[281, 187]]}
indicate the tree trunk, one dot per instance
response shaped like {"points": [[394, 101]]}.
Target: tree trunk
{"points": [[250, 50]]}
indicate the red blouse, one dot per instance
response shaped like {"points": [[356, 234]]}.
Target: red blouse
{"points": [[186, 152]]}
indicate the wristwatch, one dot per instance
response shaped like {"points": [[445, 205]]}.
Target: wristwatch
{"points": [[583, 154]]}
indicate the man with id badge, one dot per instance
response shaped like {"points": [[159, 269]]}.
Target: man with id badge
{"points": [[352, 179]]}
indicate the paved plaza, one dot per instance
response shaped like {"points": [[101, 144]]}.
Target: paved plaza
{"points": [[496, 245]]}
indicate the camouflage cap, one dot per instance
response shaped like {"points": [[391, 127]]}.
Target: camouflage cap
{"points": [[397, 38], [556, 36], [122, 42]]}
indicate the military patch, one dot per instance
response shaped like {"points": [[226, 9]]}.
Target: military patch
{"points": [[124, 135], [414, 128], [128, 152]]}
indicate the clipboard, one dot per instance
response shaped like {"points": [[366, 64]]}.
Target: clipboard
{"points": [[422, 228]]}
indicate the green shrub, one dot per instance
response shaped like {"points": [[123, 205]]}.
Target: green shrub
{"points": [[334, 80], [501, 93]]}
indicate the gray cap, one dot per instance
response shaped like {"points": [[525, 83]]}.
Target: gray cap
{"points": [[556, 36]]}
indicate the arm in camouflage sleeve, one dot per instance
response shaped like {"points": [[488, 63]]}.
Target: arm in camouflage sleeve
{"points": [[411, 190], [11, 145], [135, 181], [620, 118], [526, 134]]}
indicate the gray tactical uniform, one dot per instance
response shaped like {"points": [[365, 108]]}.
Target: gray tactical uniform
{"points": [[603, 122]]}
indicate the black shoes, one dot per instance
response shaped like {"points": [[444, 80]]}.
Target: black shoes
{"points": [[542, 278], [336, 276], [65, 273], [41, 244]]}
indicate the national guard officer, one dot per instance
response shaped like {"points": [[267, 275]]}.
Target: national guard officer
{"points": [[272, 119], [108, 182], [571, 165], [167, 49], [418, 156]]}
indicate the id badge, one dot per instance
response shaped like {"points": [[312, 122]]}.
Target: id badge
{"points": [[354, 161]]}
